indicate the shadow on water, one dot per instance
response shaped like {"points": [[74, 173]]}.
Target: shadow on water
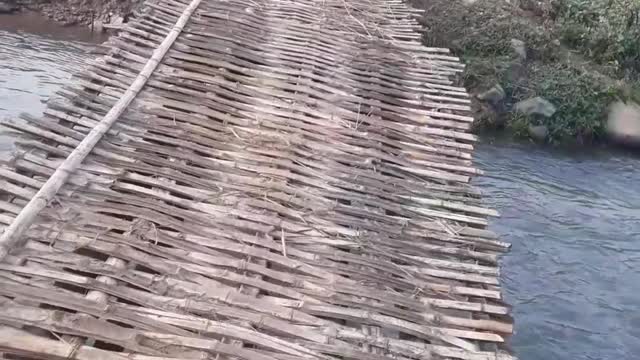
{"points": [[573, 275], [37, 58]]}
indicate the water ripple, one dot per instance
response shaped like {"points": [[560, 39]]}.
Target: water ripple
{"points": [[32, 67], [573, 275]]}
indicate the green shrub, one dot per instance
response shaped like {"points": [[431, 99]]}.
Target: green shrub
{"points": [[484, 28], [581, 74], [582, 99], [608, 31]]}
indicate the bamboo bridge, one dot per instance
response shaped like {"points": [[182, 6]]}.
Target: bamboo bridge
{"points": [[252, 179]]}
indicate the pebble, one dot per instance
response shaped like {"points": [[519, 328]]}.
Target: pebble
{"points": [[536, 106]]}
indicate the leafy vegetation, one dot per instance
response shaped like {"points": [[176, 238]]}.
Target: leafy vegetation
{"points": [[582, 100], [581, 56], [607, 31]]}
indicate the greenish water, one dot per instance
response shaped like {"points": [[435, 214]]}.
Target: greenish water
{"points": [[573, 218]]}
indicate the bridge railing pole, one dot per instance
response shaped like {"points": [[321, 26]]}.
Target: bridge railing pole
{"points": [[51, 187]]}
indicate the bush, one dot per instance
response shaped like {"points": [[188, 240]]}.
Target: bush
{"points": [[482, 29], [608, 31], [605, 32], [582, 99]]}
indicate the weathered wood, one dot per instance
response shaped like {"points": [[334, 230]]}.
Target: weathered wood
{"points": [[290, 183]]}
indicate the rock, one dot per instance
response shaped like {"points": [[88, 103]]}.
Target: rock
{"points": [[98, 26], [623, 124], [538, 133], [493, 95], [536, 106], [117, 20], [520, 48], [487, 115]]}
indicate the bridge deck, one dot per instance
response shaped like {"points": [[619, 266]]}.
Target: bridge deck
{"points": [[291, 183]]}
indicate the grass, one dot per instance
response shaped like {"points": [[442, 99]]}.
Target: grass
{"points": [[580, 82]]}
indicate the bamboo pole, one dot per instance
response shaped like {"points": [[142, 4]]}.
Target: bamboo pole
{"points": [[28, 214]]}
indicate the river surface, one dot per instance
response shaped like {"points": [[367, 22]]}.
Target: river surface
{"points": [[37, 57], [573, 275]]}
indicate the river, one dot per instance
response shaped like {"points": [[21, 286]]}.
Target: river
{"points": [[573, 275], [37, 57]]}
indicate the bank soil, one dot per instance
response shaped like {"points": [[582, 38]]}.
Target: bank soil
{"points": [[100, 14]]}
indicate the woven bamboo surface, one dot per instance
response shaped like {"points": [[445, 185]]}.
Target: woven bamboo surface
{"points": [[291, 183]]}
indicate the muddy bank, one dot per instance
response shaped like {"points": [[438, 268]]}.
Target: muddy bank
{"points": [[100, 14]]}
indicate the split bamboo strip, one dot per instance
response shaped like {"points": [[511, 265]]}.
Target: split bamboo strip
{"points": [[26, 217]]}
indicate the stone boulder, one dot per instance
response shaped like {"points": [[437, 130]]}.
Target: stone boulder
{"points": [[117, 21], [98, 26], [536, 106], [493, 95], [623, 124], [538, 133]]}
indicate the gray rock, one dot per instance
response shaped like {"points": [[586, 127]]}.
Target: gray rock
{"points": [[117, 20], [623, 124], [520, 48], [493, 95], [538, 133], [536, 106]]}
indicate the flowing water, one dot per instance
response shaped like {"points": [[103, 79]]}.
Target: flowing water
{"points": [[37, 57], [573, 275]]}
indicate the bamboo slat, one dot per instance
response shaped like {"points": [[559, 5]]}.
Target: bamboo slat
{"points": [[252, 179]]}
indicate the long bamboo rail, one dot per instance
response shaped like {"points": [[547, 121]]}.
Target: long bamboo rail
{"points": [[51, 187], [252, 179]]}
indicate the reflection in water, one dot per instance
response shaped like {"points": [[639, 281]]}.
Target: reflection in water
{"points": [[34, 66], [573, 275]]}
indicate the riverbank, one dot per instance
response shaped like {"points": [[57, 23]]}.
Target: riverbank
{"points": [[97, 14], [547, 70], [572, 218]]}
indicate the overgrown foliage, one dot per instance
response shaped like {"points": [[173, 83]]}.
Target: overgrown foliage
{"points": [[484, 28], [582, 99], [579, 55], [607, 31]]}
